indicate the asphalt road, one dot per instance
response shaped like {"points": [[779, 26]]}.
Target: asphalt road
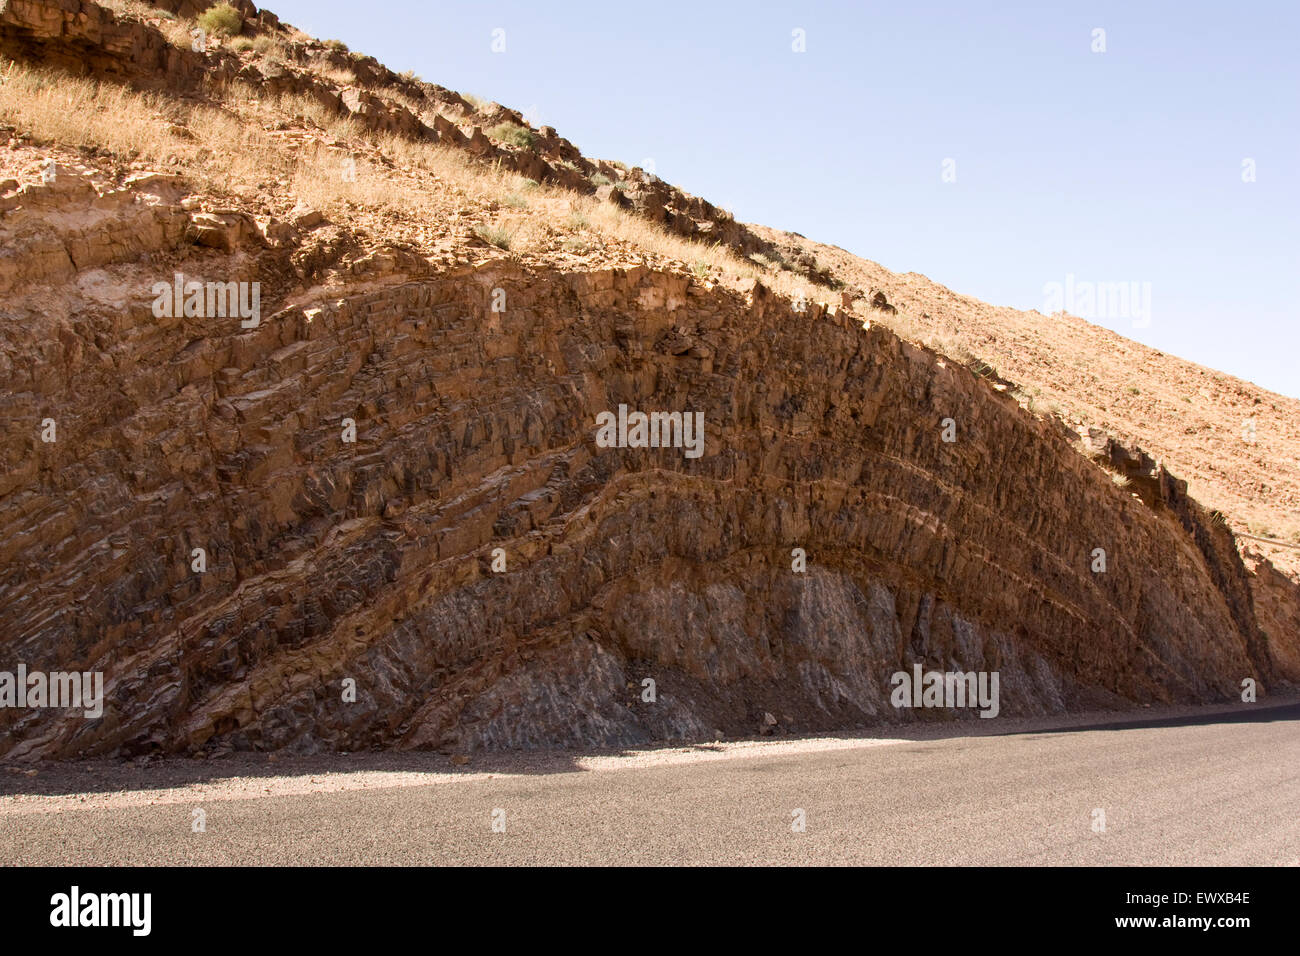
{"points": [[1209, 789]]}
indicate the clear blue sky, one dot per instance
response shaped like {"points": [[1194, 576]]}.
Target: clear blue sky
{"points": [[1122, 166]]}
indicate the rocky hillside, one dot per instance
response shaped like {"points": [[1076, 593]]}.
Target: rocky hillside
{"points": [[302, 368]]}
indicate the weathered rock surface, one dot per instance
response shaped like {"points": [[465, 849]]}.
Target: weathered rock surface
{"points": [[329, 560]]}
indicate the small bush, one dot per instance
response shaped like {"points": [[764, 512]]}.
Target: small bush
{"points": [[338, 46], [475, 101], [241, 44], [264, 43], [600, 179], [516, 201], [519, 136], [494, 235], [701, 269], [222, 20]]}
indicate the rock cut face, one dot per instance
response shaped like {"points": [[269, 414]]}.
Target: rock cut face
{"points": [[398, 487]]}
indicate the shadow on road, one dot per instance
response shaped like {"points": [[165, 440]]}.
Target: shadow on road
{"points": [[106, 776], [1247, 714]]}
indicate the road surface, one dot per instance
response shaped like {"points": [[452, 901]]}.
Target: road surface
{"points": [[1211, 789]]}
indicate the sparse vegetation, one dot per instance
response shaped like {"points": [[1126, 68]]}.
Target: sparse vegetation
{"points": [[338, 46], [515, 201], [495, 235], [600, 179], [338, 76], [515, 135], [1026, 400], [221, 20], [226, 147]]}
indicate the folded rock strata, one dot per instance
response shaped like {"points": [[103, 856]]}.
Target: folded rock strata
{"points": [[373, 561]]}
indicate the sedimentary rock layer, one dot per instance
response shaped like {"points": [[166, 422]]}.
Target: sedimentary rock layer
{"points": [[328, 560]]}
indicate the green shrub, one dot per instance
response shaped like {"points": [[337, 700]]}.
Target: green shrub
{"points": [[494, 235], [519, 136], [222, 20], [600, 179]]}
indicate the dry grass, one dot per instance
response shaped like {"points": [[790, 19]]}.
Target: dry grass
{"points": [[337, 76], [226, 147], [80, 112]]}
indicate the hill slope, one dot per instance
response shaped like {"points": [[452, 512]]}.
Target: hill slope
{"points": [[390, 466]]}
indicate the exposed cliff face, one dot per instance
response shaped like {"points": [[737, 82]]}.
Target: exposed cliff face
{"points": [[372, 560], [482, 568]]}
